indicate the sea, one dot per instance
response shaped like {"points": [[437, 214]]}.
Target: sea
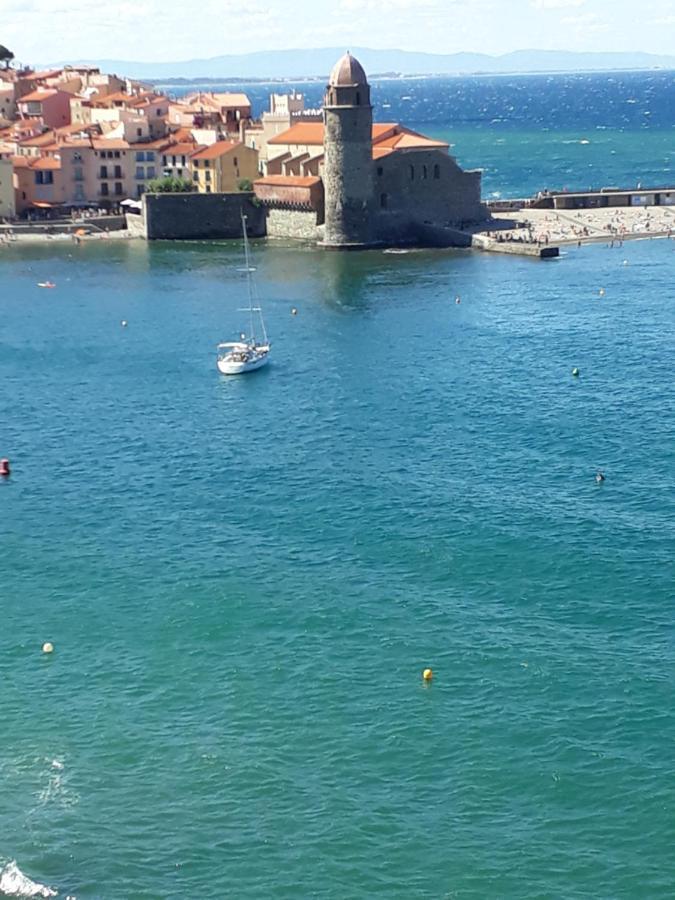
{"points": [[244, 578]]}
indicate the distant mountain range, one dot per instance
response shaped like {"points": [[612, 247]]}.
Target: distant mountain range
{"points": [[288, 64]]}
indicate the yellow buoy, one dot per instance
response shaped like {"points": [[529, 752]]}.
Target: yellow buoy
{"points": [[427, 674], [47, 647]]}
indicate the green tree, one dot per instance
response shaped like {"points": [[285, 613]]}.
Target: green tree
{"points": [[171, 185], [245, 185], [6, 56]]}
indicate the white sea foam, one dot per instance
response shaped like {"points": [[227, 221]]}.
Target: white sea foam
{"points": [[13, 883]]}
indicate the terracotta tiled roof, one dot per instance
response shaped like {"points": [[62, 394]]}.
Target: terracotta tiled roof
{"points": [[46, 162], [76, 143], [110, 144], [385, 134], [48, 73], [31, 162], [38, 140], [184, 149], [158, 144], [38, 95], [217, 100], [182, 134], [410, 140], [220, 148], [307, 133], [289, 180], [312, 134]]}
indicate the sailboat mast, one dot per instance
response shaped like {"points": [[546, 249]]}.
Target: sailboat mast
{"points": [[248, 277]]}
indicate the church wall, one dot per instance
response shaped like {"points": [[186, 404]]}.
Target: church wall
{"points": [[425, 187]]}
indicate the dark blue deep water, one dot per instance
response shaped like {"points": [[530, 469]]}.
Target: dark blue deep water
{"points": [[243, 578]]}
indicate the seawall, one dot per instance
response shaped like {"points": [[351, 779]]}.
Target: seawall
{"points": [[200, 216]]}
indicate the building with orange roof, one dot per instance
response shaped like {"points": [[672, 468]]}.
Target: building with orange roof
{"points": [[232, 109], [382, 182], [175, 158], [223, 166], [38, 183], [50, 105]]}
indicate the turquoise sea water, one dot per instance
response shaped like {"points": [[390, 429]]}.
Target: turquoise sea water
{"points": [[243, 578]]}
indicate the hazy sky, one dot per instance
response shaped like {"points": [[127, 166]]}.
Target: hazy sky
{"points": [[153, 30]]}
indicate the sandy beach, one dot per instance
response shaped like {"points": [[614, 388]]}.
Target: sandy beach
{"points": [[556, 227]]}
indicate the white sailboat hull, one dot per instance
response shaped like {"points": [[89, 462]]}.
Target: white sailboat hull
{"points": [[233, 364]]}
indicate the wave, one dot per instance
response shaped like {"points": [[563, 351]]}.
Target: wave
{"points": [[13, 883]]}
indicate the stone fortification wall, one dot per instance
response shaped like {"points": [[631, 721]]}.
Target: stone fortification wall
{"points": [[295, 224], [201, 216], [348, 175], [420, 188], [135, 225]]}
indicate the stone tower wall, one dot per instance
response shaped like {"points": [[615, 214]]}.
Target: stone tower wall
{"points": [[348, 174]]}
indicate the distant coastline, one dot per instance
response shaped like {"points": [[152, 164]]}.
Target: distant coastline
{"points": [[280, 65], [388, 76]]}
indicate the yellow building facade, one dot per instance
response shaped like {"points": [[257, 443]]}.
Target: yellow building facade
{"points": [[221, 167]]}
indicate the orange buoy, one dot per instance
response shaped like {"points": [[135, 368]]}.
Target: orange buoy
{"points": [[5, 470]]}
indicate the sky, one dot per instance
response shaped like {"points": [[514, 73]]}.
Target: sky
{"points": [[169, 30]]}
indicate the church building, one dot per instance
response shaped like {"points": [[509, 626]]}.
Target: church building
{"points": [[349, 183]]}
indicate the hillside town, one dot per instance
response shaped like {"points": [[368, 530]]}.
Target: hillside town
{"points": [[76, 140]]}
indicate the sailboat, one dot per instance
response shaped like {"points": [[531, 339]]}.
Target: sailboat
{"points": [[248, 353]]}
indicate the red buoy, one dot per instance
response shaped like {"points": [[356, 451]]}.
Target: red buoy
{"points": [[4, 468]]}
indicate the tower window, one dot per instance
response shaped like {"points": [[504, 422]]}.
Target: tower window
{"points": [[384, 201], [358, 99], [437, 171], [380, 170], [424, 171], [412, 173]]}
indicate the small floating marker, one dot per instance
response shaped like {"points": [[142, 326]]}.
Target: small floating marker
{"points": [[294, 311], [601, 292], [458, 300], [124, 323], [47, 647], [575, 372], [5, 470], [427, 675], [625, 262], [599, 477]]}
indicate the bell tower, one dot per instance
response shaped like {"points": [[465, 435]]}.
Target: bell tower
{"points": [[348, 160]]}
